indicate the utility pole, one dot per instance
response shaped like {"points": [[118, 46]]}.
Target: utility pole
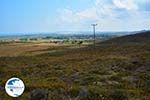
{"points": [[94, 37]]}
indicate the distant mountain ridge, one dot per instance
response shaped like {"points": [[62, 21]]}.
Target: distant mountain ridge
{"points": [[139, 37]]}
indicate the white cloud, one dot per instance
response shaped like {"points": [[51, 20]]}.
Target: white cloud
{"points": [[110, 14], [71, 16], [126, 4]]}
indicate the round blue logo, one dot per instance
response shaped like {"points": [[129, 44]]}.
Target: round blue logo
{"points": [[14, 87]]}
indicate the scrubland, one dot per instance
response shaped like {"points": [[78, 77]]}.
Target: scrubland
{"points": [[108, 71]]}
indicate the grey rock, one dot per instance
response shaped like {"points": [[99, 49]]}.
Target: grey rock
{"points": [[39, 94]]}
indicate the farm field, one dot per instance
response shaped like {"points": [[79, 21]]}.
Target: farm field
{"points": [[16, 49]]}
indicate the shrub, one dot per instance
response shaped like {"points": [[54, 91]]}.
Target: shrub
{"points": [[39, 94], [118, 95]]}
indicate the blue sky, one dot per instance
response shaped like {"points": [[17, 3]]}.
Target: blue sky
{"points": [[73, 15]]}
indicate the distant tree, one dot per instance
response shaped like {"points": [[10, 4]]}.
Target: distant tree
{"points": [[33, 39], [74, 41], [24, 39], [80, 43]]}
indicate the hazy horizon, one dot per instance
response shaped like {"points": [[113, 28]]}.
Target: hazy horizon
{"points": [[68, 33]]}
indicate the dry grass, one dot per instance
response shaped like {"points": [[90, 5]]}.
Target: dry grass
{"points": [[20, 49], [108, 71]]}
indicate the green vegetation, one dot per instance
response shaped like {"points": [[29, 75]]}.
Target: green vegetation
{"points": [[24, 39], [109, 71]]}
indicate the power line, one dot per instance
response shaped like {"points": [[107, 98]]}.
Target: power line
{"points": [[94, 37]]}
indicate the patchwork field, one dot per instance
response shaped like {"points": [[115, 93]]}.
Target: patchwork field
{"points": [[24, 49]]}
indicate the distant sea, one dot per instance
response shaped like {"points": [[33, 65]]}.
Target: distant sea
{"points": [[60, 33]]}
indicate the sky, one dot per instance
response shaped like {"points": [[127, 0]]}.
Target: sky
{"points": [[20, 16]]}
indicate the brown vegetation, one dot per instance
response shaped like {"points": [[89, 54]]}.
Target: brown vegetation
{"points": [[110, 71]]}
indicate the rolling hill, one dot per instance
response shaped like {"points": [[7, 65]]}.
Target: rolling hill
{"points": [[117, 69], [140, 37]]}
